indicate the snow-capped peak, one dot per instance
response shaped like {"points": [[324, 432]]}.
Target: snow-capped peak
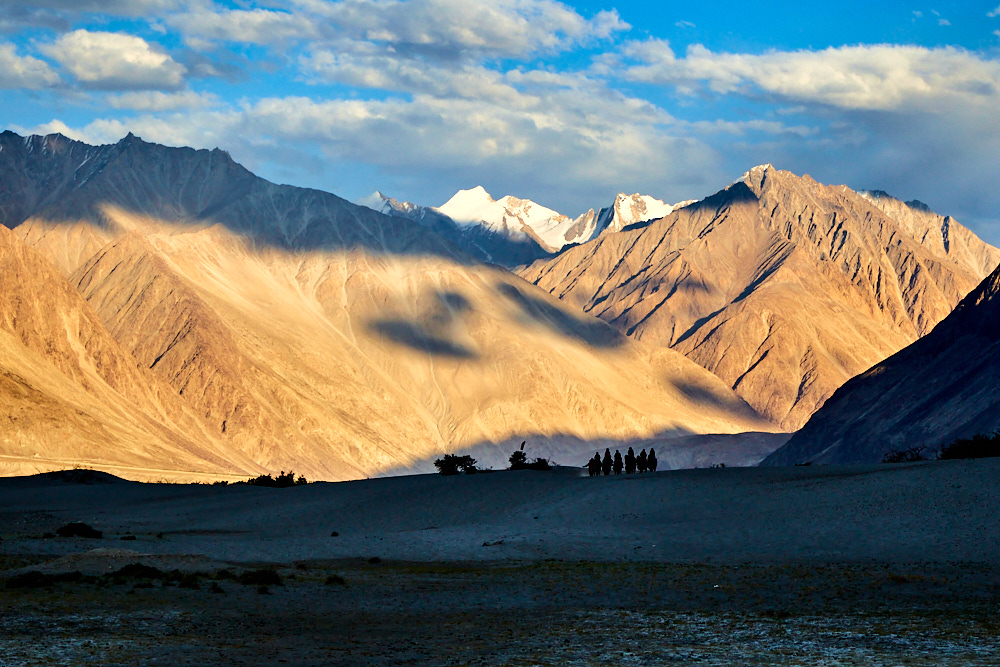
{"points": [[375, 201]]}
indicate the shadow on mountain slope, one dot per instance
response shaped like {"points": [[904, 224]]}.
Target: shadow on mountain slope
{"points": [[593, 332]]}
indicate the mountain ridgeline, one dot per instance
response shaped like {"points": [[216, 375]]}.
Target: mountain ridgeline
{"points": [[941, 388], [177, 317], [782, 287]]}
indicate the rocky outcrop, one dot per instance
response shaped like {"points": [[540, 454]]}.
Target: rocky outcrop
{"points": [[781, 286], [943, 387]]}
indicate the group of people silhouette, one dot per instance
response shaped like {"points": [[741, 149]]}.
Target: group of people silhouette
{"points": [[630, 462]]}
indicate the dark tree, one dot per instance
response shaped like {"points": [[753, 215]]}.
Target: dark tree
{"points": [[640, 461], [629, 462], [978, 446], [451, 464], [518, 460], [618, 465], [651, 460]]}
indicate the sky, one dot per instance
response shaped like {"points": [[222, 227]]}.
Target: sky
{"points": [[566, 104]]}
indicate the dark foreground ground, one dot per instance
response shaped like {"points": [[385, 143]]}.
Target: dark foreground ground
{"points": [[740, 572]]}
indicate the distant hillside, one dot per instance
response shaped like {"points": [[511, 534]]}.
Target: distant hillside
{"points": [[283, 328], [943, 387], [781, 286]]}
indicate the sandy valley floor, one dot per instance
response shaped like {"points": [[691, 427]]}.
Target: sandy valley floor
{"points": [[882, 565]]}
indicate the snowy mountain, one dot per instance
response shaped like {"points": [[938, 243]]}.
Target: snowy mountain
{"points": [[493, 228]]}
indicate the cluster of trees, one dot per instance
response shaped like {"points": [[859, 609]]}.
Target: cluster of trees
{"points": [[979, 446], [282, 481], [452, 464]]}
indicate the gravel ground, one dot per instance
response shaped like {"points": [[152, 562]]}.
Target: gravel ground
{"points": [[880, 565]]}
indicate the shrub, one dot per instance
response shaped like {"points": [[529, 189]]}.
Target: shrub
{"points": [[910, 455], [79, 529], [518, 460], [539, 464], [451, 464], [282, 481], [978, 446], [262, 577], [335, 580]]}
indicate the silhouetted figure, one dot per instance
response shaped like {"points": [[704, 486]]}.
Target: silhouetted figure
{"points": [[640, 461], [618, 462], [651, 460], [606, 463], [594, 465], [629, 462]]}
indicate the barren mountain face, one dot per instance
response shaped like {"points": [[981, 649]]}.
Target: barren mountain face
{"points": [[70, 395], [940, 388], [300, 331], [781, 286]]}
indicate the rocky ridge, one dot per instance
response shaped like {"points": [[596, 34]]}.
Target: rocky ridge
{"points": [[781, 286]]}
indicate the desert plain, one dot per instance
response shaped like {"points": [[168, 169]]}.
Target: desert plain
{"points": [[807, 565]]}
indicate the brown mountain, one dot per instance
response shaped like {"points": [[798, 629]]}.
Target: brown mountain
{"points": [[305, 332], [943, 387], [781, 286], [70, 395]]}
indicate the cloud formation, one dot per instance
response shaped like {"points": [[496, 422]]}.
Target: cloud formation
{"points": [[115, 61], [24, 71], [878, 77]]}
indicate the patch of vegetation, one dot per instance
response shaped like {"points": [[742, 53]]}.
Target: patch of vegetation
{"points": [[978, 446], [79, 529], [262, 577], [452, 464], [281, 481], [519, 461], [36, 579], [335, 580], [911, 455]]}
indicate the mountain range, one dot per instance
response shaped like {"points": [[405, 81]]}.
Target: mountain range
{"points": [[781, 286], [171, 315], [941, 388], [512, 231], [209, 322]]}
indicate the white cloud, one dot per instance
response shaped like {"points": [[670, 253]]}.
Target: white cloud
{"points": [[944, 22], [880, 77], [24, 71], [160, 101], [685, 24], [446, 29], [558, 145], [253, 26], [116, 61], [918, 14], [116, 7], [372, 67], [994, 13]]}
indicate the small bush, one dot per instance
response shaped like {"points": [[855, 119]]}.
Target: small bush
{"points": [[335, 580], [518, 460], [262, 577], [282, 481], [79, 529], [138, 571], [35, 579], [978, 446], [451, 464], [911, 455]]}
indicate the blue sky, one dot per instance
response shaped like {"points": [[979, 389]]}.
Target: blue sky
{"points": [[563, 103]]}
